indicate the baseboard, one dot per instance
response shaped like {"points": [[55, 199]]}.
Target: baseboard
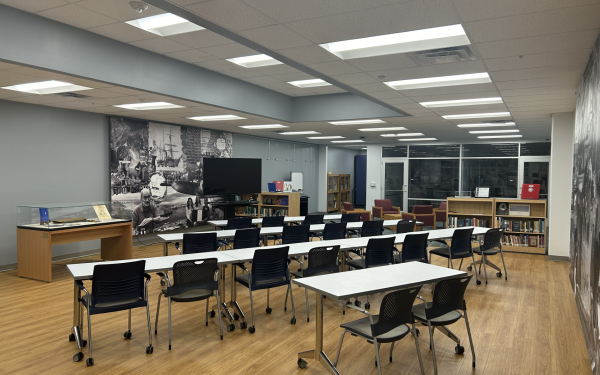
{"points": [[556, 258], [8, 267]]}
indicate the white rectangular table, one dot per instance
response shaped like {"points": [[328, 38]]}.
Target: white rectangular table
{"points": [[287, 219], [344, 285]]}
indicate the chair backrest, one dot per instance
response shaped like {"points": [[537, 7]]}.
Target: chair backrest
{"points": [[414, 248], [334, 231], [443, 206], [492, 239], [194, 274], [461, 241], [313, 219], [199, 242], [239, 223], [396, 309], [371, 228], [406, 226], [422, 209], [245, 238], [380, 251], [350, 218], [448, 295], [118, 282], [385, 204], [348, 206], [321, 260], [272, 221], [270, 264], [295, 234]]}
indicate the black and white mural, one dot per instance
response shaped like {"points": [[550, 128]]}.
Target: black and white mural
{"points": [[158, 169], [585, 217]]}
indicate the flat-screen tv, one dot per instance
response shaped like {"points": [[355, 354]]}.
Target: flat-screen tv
{"points": [[232, 176]]}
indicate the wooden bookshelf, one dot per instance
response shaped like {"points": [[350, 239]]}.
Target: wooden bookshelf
{"points": [[247, 211], [271, 204], [345, 190], [333, 192]]}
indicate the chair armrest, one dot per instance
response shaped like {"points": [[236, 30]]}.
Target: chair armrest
{"points": [[421, 298], [397, 209], [413, 216], [147, 276], [242, 266], [79, 284], [362, 311], [378, 212]]}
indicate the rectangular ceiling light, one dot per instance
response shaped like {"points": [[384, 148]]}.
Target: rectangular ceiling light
{"points": [[477, 115], [271, 126], [327, 137], [409, 41], [148, 106], [165, 24], [359, 122], [493, 131], [422, 83], [217, 118], [456, 103], [417, 139], [254, 61], [500, 136], [47, 87], [486, 125], [300, 133], [403, 135], [310, 83], [382, 129], [349, 141]]}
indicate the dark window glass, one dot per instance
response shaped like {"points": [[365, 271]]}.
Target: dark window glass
{"points": [[434, 151], [394, 151], [416, 202], [535, 149], [500, 175], [491, 150], [433, 178]]}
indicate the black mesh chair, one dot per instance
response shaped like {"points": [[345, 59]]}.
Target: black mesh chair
{"points": [[269, 270], [351, 218], [371, 228], [245, 238], [334, 231], [295, 234], [460, 248], [193, 280], [321, 261], [234, 224], [198, 243], [492, 245], [116, 287], [270, 222], [414, 248], [448, 299], [313, 220], [406, 226], [389, 326]]}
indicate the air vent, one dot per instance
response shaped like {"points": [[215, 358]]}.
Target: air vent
{"points": [[443, 56], [72, 95]]}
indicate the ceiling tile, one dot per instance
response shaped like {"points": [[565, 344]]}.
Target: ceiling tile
{"points": [[431, 71], [4, 66], [9, 78], [229, 51], [33, 6], [191, 56], [388, 62], [295, 92], [277, 86], [292, 77], [77, 16], [449, 90], [200, 39], [275, 69], [160, 45], [471, 10], [390, 95], [372, 87], [122, 32], [38, 73], [565, 96], [241, 73], [565, 82], [309, 54], [218, 65], [232, 14], [118, 9], [355, 78], [455, 96], [325, 90], [540, 72], [275, 37], [569, 58], [262, 80], [334, 67], [538, 91]]}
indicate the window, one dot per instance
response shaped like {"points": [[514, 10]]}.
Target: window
{"points": [[535, 149], [500, 175], [433, 178], [394, 152], [434, 151], [491, 150]]}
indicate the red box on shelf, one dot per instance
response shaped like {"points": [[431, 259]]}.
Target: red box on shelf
{"points": [[530, 191]]}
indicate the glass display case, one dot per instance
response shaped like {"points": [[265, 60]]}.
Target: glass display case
{"points": [[62, 216]]}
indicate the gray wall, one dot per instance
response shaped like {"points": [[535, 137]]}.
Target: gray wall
{"points": [[279, 158], [49, 155], [341, 161]]}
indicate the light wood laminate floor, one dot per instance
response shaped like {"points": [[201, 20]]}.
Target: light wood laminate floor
{"points": [[526, 325]]}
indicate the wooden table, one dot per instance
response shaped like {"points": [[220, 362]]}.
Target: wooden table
{"points": [[399, 217], [34, 244]]}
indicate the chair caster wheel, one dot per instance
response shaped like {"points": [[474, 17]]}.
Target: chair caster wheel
{"points": [[348, 302], [293, 320], [499, 274], [127, 334], [83, 343], [357, 303], [459, 349], [212, 313], [71, 337], [367, 305], [251, 329], [78, 357], [162, 283], [469, 268], [150, 349], [90, 362], [302, 363], [478, 282], [236, 316], [269, 310], [243, 325], [417, 331], [230, 327]]}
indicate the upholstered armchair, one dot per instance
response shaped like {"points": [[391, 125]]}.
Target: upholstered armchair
{"points": [[440, 213], [384, 206], [349, 209], [423, 213]]}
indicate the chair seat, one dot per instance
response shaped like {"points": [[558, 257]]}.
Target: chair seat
{"points": [[101, 308], [191, 295], [477, 250], [362, 327], [355, 263], [390, 212], [449, 318], [445, 252], [301, 274], [244, 279]]}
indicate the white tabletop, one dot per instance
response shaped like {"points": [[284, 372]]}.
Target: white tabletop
{"points": [[344, 285], [287, 219], [296, 249]]}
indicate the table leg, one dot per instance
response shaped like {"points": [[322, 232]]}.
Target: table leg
{"points": [[318, 354], [224, 308], [77, 318], [165, 248], [233, 301]]}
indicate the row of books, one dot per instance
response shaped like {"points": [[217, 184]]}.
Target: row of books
{"points": [[279, 201], [533, 226], [456, 222], [248, 210], [269, 211], [524, 240]]}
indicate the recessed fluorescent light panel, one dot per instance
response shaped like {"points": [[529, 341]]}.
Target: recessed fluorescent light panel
{"points": [[217, 118], [500, 136], [300, 133], [327, 137], [493, 131], [148, 106], [382, 129], [418, 139], [271, 126], [165, 24], [47, 87], [310, 83], [486, 125], [403, 135], [349, 141], [255, 61], [359, 122], [477, 115], [457, 80], [463, 102], [410, 41]]}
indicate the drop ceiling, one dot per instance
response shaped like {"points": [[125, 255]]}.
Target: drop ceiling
{"points": [[535, 52]]}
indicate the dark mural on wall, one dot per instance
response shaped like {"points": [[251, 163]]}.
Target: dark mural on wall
{"points": [[158, 168], [585, 218]]}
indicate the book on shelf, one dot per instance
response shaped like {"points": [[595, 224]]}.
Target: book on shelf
{"points": [[456, 222], [524, 240], [529, 226]]}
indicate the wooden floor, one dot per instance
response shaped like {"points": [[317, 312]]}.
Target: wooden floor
{"points": [[526, 325]]}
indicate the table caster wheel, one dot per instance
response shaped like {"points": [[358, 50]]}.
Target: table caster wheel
{"points": [[90, 362], [367, 305], [251, 329], [78, 357], [230, 327], [150, 349], [459, 349], [243, 325], [302, 363], [269, 310], [127, 334], [212, 313], [293, 320], [499, 274], [71, 337], [236, 316], [478, 282], [469, 268], [357, 303]]}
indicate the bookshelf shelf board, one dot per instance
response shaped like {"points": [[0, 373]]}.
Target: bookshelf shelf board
{"points": [[274, 205], [536, 233], [482, 215], [523, 217]]}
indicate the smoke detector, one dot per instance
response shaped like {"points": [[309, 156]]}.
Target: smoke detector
{"points": [[138, 6]]}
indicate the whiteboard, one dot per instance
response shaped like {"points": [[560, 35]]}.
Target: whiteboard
{"points": [[297, 180]]}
